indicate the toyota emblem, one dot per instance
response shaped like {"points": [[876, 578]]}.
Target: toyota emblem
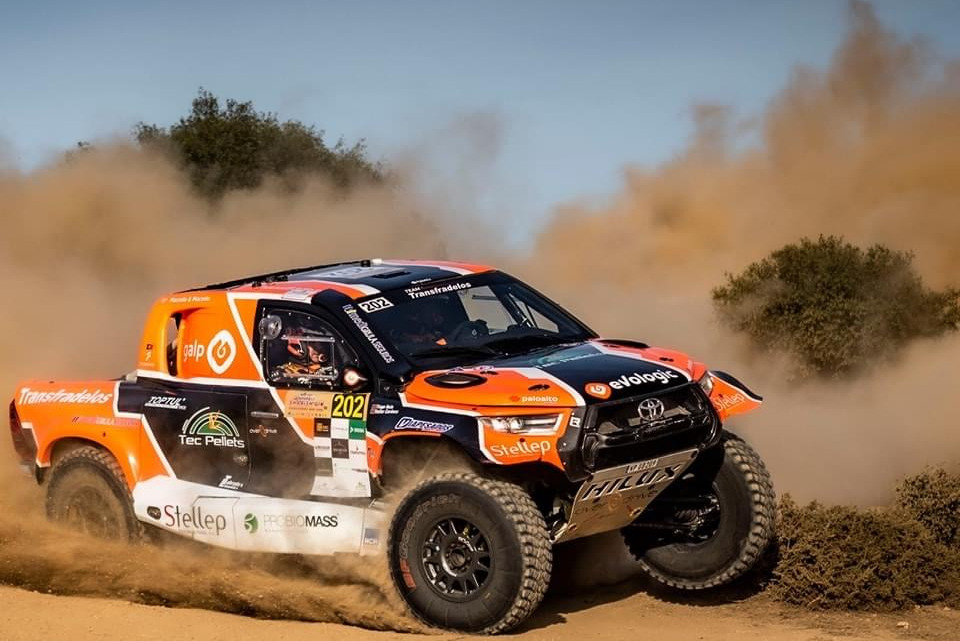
{"points": [[650, 409]]}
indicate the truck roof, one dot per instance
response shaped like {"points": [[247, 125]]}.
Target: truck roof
{"points": [[356, 279]]}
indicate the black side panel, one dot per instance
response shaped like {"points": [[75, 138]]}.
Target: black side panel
{"points": [[387, 416], [203, 434], [282, 464], [267, 456]]}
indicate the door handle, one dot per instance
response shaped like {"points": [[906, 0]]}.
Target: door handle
{"points": [[264, 415]]}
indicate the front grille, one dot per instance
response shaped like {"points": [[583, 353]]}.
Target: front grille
{"points": [[621, 432]]}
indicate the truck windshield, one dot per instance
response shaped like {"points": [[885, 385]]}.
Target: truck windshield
{"points": [[469, 318]]}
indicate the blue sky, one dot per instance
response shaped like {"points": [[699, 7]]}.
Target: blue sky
{"points": [[577, 90]]}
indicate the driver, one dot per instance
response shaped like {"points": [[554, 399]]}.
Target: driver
{"points": [[425, 326], [307, 356]]}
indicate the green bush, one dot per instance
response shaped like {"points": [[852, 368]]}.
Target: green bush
{"points": [[235, 147], [834, 307], [932, 498], [844, 558]]}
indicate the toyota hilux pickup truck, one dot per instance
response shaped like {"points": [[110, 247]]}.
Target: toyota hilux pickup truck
{"points": [[445, 416]]}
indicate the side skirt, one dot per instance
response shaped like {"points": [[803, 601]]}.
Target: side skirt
{"points": [[253, 523]]}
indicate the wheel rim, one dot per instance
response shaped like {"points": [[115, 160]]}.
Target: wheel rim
{"points": [[87, 511], [456, 558]]}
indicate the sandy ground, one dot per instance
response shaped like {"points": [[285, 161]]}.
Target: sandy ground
{"points": [[608, 614]]}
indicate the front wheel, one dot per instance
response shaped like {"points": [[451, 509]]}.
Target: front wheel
{"points": [[711, 529], [469, 553]]}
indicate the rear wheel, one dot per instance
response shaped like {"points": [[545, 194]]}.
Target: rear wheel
{"points": [[469, 553], [711, 528], [87, 493]]}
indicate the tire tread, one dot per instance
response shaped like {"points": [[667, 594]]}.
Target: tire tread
{"points": [[531, 529]]}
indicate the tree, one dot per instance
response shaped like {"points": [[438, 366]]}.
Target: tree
{"points": [[236, 147], [833, 306]]}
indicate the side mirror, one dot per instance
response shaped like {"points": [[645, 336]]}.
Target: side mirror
{"points": [[352, 378], [270, 327]]}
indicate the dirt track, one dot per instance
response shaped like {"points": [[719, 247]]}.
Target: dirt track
{"points": [[608, 614]]}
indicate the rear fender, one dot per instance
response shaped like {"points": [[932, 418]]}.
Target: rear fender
{"points": [[731, 397]]}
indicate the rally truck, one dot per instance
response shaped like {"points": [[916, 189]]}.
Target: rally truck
{"points": [[445, 416]]}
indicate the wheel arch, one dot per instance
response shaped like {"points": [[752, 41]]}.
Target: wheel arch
{"points": [[402, 454], [57, 449]]}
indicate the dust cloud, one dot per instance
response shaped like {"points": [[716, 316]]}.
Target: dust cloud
{"points": [[87, 244], [869, 149]]}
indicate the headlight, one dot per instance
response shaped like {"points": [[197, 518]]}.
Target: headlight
{"points": [[531, 424], [706, 383]]}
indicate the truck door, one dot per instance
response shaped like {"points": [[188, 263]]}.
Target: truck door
{"points": [[323, 424]]}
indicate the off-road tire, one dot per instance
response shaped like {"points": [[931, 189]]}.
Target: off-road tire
{"points": [[745, 531], [87, 491], [520, 553]]}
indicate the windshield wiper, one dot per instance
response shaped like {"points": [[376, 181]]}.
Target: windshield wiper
{"points": [[454, 350]]}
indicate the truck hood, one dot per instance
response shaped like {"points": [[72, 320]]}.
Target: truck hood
{"points": [[558, 376]]}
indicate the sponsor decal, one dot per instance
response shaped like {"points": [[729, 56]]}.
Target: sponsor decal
{"points": [[340, 448], [86, 397], [371, 536], [367, 332], [308, 404], [229, 484], [575, 421], [722, 402], [407, 423], [384, 408], [539, 399], [107, 421], [418, 292], [154, 512], [210, 427], [280, 522], [194, 520], [262, 431], [178, 300], [522, 448], [167, 402], [663, 376], [597, 390], [375, 305], [219, 352], [358, 448]]}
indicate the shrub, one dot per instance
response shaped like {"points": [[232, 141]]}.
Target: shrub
{"points": [[844, 558], [932, 498], [834, 307]]}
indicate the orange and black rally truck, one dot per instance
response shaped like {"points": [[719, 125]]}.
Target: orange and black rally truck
{"points": [[444, 414]]}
